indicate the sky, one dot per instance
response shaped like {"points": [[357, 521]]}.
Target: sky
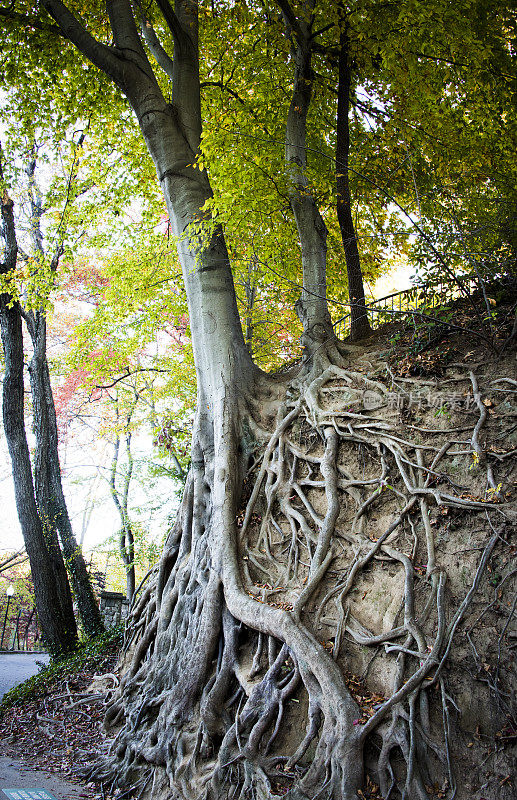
{"points": [[89, 502]]}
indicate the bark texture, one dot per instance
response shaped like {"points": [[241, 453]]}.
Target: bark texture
{"points": [[359, 324], [52, 592]]}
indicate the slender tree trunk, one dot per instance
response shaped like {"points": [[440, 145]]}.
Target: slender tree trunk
{"points": [[51, 589], [360, 327], [47, 477], [121, 500], [129, 544], [312, 231], [47, 469]]}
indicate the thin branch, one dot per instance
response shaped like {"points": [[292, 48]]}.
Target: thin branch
{"points": [[127, 374], [104, 57], [172, 21], [13, 560], [30, 22]]}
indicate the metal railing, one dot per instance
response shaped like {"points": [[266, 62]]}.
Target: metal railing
{"points": [[400, 306], [20, 630]]}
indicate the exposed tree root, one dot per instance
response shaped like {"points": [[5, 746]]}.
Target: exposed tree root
{"points": [[230, 692]]}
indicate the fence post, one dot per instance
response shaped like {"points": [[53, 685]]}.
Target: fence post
{"points": [[27, 627], [9, 592], [16, 636]]}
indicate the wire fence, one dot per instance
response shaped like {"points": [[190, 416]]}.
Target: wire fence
{"points": [[421, 299]]}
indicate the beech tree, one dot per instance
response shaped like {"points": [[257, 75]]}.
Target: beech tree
{"points": [[227, 631]]}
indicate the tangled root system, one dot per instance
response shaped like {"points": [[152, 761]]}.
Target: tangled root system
{"points": [[240, 654]]}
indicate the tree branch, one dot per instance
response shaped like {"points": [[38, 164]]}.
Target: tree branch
{"points": [[172, 21], [28, 21], [127, 374], [155, 46], [104, 57], [292, 21], [13, 560], [125, 32]]}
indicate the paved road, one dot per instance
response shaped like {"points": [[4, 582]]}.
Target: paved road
{"points": [[17, 667], [16, 775]]}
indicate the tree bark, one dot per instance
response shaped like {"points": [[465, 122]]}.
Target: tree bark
{"points": [[312, 231], [51, 589], [47, 469], [359, 324], [47, 476]]}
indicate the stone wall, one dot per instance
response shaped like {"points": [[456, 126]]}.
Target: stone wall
{"points": [[114, 608]]}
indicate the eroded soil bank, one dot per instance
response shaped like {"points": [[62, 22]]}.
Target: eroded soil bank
{"points": [[375, 542]]}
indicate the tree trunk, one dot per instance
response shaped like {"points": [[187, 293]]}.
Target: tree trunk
{"points": [[120, 499], [53, 598], [312, 231], [359, 324], [128, 544], [47, 476], [51, 589], [47, 469]]}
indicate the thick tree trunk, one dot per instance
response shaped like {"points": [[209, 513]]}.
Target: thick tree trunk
{"points": [[359, 324], [47, 477]]}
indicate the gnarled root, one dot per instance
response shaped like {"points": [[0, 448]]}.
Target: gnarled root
{"points": [[225, 647]]}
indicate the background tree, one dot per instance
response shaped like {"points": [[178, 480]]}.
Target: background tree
{"points": [[53, 597], [47, 469], [359, 325], [13, 559]]}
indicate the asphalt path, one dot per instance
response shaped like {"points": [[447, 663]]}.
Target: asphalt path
{"points": [[14, 774], [17, 667]]}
